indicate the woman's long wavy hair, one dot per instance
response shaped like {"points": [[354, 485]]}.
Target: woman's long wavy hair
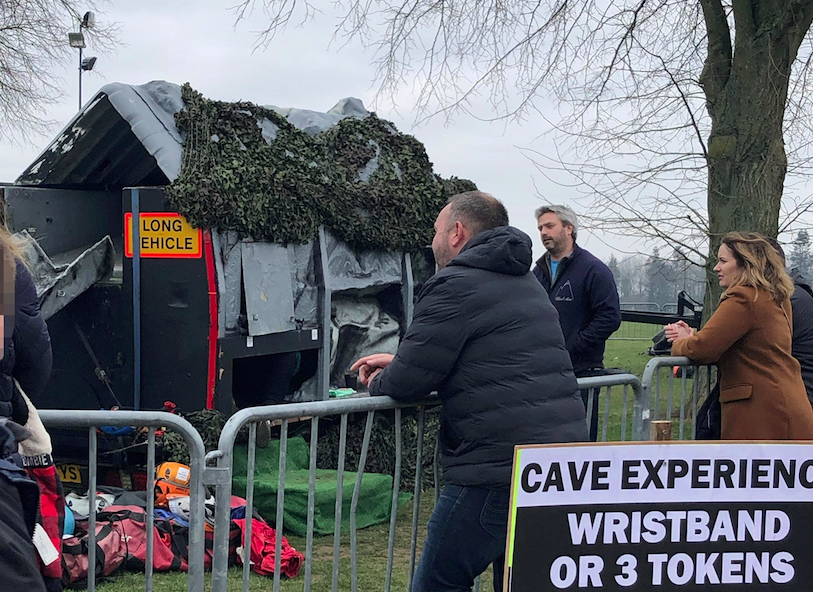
{"points": [[761, 265]]}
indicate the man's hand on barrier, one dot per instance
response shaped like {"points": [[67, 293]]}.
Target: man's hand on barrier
{"points": [[370, 366], [679, 330]]}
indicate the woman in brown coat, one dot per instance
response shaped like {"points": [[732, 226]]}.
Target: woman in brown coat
{"points": [[762, 395]]}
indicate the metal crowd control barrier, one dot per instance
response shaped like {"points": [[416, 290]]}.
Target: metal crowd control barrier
{"points": [[656, 407], [632, 426], [152, 420], [221, 475]]}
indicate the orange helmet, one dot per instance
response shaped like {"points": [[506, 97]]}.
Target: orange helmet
{"points": [[170, 479]]}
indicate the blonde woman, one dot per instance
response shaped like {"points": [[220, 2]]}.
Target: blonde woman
{"points": [[762, 395]]}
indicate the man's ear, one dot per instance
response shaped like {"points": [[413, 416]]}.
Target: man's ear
{"points": [[460, 236]]}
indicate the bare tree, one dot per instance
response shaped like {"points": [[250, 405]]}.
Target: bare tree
{"points": [[631, 278], [672, 114], [34, 42]]}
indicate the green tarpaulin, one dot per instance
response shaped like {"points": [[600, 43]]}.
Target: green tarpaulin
{"points": [[375, 496]]}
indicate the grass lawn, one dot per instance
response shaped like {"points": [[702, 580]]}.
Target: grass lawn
{"points": [[372, 568], [627, 354]]}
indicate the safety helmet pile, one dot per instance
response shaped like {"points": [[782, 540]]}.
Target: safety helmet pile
{"points": [[171, 479]]}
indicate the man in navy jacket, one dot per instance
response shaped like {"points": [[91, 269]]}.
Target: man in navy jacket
{"points": [[583, 291], [485, 337]]}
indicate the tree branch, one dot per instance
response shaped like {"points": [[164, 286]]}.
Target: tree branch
{"points": [[745, 26], [688, 107], [629, 35], [796, 23], [717, 68]]}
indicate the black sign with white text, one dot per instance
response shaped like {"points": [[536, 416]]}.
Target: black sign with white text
{"points": [[665, 517]]}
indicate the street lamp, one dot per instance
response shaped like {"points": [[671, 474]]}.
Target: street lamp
{"points": [[77, 40]]}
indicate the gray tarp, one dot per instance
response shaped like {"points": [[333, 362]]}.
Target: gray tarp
{"points": [[58, 284], [281, 288]]}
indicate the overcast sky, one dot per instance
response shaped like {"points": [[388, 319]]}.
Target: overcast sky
{"points": [[195, 41]]}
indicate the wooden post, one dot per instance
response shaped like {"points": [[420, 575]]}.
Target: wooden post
{"points": [[660, 431]]}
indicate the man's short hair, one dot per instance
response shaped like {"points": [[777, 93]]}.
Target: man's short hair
{"points": [[565, 214], [478, 211]]}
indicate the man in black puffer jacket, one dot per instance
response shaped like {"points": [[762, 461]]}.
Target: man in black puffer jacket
{"points": [[487, 338], [27, 352]]}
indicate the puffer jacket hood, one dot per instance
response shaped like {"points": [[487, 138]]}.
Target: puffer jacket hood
{"points": [[505, 250]]}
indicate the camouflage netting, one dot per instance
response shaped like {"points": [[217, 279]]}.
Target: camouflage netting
{"points": [[381, 451], [380, 455], [370, 185], [208, 422]]}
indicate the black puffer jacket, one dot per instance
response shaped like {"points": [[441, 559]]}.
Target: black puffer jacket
{"points": [[487, 338], [27, 354]]}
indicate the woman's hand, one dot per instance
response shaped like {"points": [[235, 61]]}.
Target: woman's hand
{"points": [[676, 331]]}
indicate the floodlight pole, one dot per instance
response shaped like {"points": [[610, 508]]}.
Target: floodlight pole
{"points": [[80, 76], [77, 40]]}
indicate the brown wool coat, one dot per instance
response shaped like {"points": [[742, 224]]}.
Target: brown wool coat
{"points": [[762, 395]]}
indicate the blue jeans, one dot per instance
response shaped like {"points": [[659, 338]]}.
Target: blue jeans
{"points": [[466, 533]]}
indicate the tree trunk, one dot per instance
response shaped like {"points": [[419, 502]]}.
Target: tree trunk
{"points": [[746, 150]]}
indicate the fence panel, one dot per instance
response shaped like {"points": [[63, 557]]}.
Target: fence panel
{"points": [[621, 392], [221, 477], [662, 376], [92, 420], [641, 306], [621, 406], [635, 331]]}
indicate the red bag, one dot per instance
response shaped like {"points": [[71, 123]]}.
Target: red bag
{"points": [[169, 541], [263, 549], [235, 536], [110, 554]]}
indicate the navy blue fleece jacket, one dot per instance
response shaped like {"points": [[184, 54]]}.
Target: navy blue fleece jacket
{"points": [[585, 295]]}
